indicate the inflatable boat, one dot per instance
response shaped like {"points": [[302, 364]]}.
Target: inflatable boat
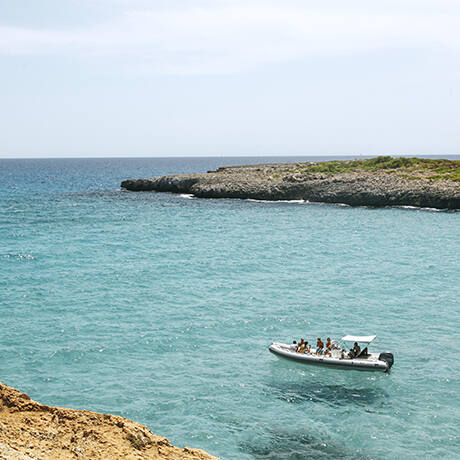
{"points": [[339, 358]]}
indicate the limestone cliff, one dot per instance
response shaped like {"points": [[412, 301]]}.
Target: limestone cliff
{"points": [[30, 430]]}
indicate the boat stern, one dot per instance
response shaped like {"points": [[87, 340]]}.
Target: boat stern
{"points": [[387, 358]]}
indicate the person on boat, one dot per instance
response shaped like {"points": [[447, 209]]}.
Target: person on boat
{"points": [[301, 346], [305, 348], [327, 351], [319, 346], [293, 347], [355, 351]]}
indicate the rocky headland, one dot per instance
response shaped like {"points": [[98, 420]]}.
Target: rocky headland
{"points": [[30, 430], [381, 181]]}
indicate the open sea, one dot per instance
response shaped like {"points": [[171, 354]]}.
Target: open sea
{"points": [[160, 308]]}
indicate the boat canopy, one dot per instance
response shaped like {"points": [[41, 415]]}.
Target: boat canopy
{"points": [[359, 338]]}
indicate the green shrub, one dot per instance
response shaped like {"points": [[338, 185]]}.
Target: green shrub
{"points": [[418, 167]]}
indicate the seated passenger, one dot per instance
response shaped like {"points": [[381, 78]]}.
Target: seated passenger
{"points": [[293, 347], [301, 346], [319, 346], [356, 350], [305, 348]]}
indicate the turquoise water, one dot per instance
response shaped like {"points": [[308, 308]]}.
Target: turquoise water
{"points": [[159, 308]]}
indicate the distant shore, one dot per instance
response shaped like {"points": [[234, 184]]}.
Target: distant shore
{"points": [[30, 430], [376, 182]]}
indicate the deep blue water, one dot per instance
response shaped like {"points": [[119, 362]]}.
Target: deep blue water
{"points": [[159, 308]]}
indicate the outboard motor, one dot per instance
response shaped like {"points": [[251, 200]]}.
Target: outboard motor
{"points": [[388, 358]]}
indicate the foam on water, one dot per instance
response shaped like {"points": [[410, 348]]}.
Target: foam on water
{"points": [[160, 309], [277, 201]]}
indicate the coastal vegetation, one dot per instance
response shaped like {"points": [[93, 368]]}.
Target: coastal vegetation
{"points": [[411, 168]]}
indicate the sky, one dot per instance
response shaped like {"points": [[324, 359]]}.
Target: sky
{"points": [[130, 78]]}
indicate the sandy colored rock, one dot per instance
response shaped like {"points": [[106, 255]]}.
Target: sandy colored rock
{"points": [[30, 430]]}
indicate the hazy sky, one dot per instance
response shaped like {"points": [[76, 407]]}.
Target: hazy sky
{"points": [[229, 77]]}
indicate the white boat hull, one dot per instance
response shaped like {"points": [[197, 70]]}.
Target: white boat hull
{"points": [[372, 363]]}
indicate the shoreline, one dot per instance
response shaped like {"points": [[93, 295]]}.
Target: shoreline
{"points": [[380, 182], [320, 203]]}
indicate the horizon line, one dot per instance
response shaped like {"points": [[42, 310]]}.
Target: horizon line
{"points": [[227, 156]]}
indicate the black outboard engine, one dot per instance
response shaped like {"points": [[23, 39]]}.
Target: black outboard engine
{"points": [[388, 358]]}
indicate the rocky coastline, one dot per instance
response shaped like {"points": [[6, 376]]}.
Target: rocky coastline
{"points": [[316, 182], [30, 430]]}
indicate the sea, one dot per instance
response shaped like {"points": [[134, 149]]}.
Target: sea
{"points": [[161, 307]]}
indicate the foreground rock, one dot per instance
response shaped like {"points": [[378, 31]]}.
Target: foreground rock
{"points": [[355, 186], [29, 430]]}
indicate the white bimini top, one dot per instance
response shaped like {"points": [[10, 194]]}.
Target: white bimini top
{"points": [[359, 338]]}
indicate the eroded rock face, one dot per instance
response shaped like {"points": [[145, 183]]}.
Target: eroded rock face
{"points": [[30, 430], [282, 182]]}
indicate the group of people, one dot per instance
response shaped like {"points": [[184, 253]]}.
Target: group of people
{"points": [[320, 349], [326, 350]]}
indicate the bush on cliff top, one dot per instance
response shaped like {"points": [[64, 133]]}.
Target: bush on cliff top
{"points": [[428, 168]]}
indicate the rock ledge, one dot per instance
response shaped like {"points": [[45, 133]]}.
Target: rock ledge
{"points": [[30, 430], [299, 181]]}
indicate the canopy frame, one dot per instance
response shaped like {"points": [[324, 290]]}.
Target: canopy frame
{"points": [[359, 338]]}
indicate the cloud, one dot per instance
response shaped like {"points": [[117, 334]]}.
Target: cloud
{"points": [[229, 36]]}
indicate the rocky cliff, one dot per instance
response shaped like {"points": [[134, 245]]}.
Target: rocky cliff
{"points": [[29, 430], [382, 181]]}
